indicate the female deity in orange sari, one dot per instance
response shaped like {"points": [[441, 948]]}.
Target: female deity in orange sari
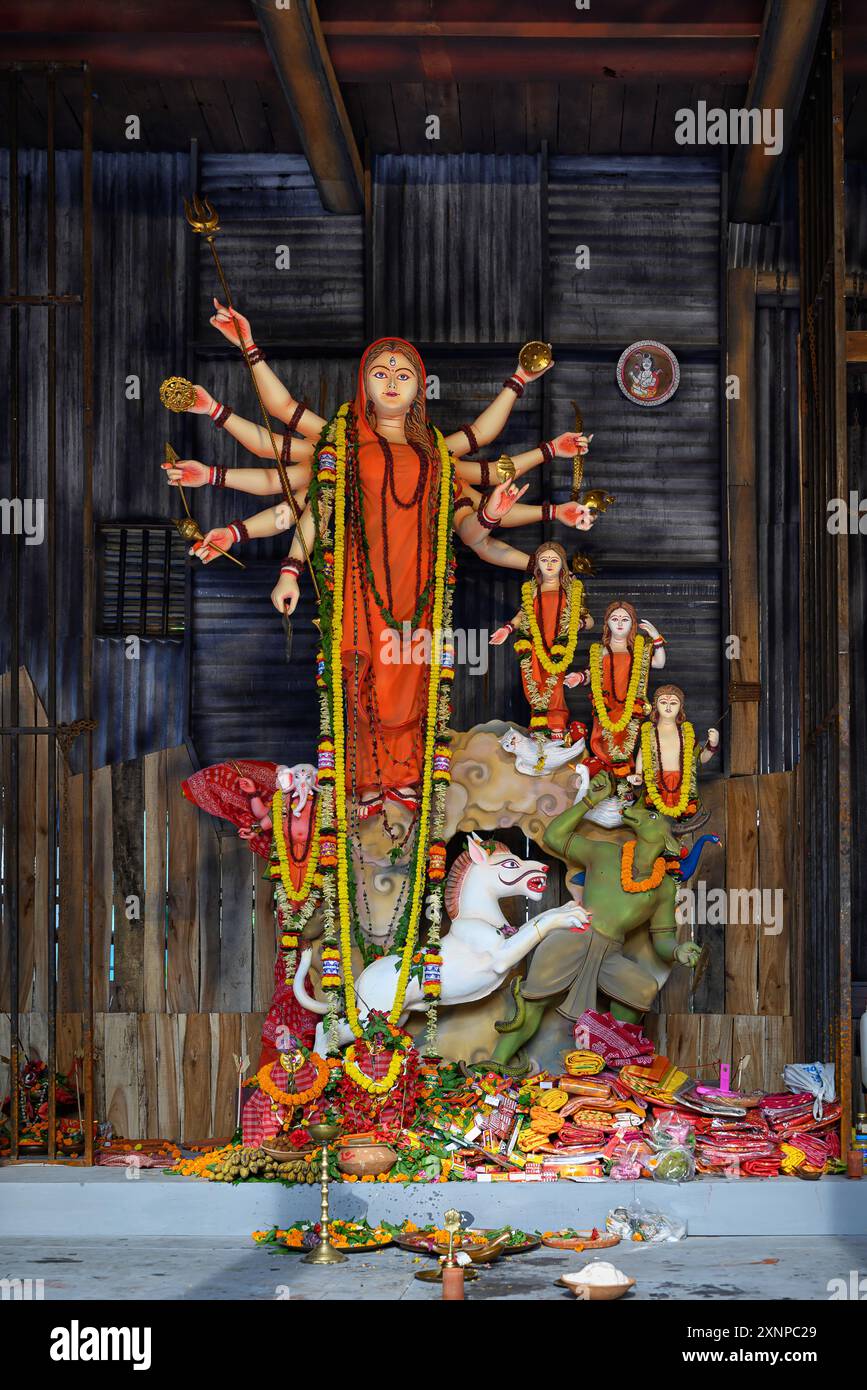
{"points": [[388, 570], [619, 668], [548, 626]]}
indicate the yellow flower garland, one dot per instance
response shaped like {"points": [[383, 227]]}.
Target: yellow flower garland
{"points": [[295, 895], [339, 736], [650, 772], [367, 1083], [576, 597], [635, 676]]}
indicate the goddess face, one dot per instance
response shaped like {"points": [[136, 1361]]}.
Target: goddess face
{"points": [[392, 385], [549, 565], [619, 624], [668, 706]]}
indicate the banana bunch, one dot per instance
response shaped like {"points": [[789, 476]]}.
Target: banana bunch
{"points": [[244, 1163]]}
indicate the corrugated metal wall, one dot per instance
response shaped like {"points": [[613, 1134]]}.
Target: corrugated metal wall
{"points": [[139, 253], [773, 247], [457, 242], [856, 258], [652, 227]]}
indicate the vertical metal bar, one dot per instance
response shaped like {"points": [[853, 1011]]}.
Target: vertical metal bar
{"points": [[725, 586], [51, 491], [143, 598], [87, 588], [121, 582], [167, 576], [14, 617]]}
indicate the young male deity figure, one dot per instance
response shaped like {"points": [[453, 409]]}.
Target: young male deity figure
{"points": [[552, 615], [619, 668], [667, 760]]}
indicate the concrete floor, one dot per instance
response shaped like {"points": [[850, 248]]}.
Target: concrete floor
{"points": [[744, 1268]]}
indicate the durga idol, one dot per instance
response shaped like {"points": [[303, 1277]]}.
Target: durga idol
{"points": [[401, 490]]}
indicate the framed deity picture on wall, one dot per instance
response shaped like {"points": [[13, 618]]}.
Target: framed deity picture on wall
{"points": [[648, 372]]}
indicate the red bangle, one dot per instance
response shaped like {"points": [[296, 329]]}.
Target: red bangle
{"points": [[514, 383], [548, 512], [485, 520], [239, 531], [291, 566], [220, 415], [217, 476], [547, 452], [254, 354]]}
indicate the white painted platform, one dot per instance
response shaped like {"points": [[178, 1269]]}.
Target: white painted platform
{"points": [[59, 1202]]}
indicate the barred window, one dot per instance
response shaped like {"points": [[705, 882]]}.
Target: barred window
{"points": [[142, 580]]}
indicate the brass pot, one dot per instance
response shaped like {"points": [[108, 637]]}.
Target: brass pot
{"points": [[366, 1159]]}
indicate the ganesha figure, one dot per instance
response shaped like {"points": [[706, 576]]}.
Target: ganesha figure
{"points": [[627, 888]]}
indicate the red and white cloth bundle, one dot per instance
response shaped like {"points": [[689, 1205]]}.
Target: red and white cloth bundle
{"points": [[619, 1043]]}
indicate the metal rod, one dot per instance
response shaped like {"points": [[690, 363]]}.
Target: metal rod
{"points": [[51, 215], [87, 589], [14, 624]]}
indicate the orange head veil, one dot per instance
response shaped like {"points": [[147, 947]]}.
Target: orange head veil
{"points": [[416, 423]]}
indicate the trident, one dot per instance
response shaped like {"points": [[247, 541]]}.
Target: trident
{"points": [[205, 221]]}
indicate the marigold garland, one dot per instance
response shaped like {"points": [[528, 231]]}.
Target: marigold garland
{"points": [[627, 882], [637, 677], [292, 1099], [571, 621], [337, 731], [652, 772], [296, 896]]}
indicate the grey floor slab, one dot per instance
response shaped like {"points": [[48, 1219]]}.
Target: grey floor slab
{"points": [[775, 1269]]}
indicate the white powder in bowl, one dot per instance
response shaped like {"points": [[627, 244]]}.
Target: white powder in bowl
{"points": [[598, 1272]]}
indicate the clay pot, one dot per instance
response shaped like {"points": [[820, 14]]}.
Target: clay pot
{"points": [[366, 1159]]}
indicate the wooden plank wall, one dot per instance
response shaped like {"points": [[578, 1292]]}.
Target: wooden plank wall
{"points": [[157, 1075]]}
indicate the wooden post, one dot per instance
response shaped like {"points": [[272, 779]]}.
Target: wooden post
{"points": [[743, 546]]}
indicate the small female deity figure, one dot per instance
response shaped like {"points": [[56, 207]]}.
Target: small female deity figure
{"points": [[552, 615], [645, 377], [667, 760], [619, 668]]}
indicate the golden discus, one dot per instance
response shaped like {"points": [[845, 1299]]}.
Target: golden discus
{"points": [[177, 394], [506, 468], [536, 356]]}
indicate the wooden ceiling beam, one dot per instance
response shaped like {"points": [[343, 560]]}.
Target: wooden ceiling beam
{"points": [[778, 83], [295, 43]]}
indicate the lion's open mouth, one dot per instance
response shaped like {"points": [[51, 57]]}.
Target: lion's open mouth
{"points": [[538, 883]]}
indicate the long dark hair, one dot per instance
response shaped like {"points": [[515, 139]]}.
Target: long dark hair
{"points": [[565, 582]]}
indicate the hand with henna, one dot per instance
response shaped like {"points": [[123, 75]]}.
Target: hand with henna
{"points": [[220, 536], [187, 473], [233, 326]]}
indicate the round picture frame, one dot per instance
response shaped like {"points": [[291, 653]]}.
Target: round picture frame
{"points": [[648, 373]]}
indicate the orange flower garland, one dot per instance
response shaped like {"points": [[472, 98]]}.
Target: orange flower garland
{"points": [[323, 1067], [627, 882]]}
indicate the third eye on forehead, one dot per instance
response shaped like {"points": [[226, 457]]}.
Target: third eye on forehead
{"points": [[386, 367]]}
